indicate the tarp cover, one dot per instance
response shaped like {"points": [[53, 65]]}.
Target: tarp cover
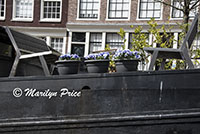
{"points": [[29, 43]]}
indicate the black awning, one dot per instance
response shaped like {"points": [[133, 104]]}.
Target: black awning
{"points": [[29, 43], [25, 47]]}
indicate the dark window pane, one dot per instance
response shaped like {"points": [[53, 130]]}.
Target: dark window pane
{"points": [[78, 49], [78, 37]]}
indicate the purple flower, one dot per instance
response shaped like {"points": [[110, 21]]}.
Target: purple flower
{"points": [[126, 54], [69, 57], [102, 55]]}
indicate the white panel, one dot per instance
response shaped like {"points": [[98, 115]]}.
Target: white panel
{"points": [[103, 40], [118, 14], [125, 14], [112, 6], [119, 6], [89, 6], [126, 37], [150, 6], [157, 5], [69, 46], [111, 14], [157, 14], [150, 14], [48, 41], [126, 7], [87, 44], [83, 6], [96, 6], [143, 14]]}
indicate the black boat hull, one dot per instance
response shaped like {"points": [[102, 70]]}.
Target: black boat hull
{"points": [[162, 102]]}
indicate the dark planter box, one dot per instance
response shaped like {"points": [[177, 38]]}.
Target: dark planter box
{"points": [[68, 67], [97, 66], [126, 65]]}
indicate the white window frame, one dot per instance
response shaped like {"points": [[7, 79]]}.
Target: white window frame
{"points": [[138, 12], [171, 11], [64, 43], [22, 19], [90, 42], [85, 43], [78, 12], [107, 13], [118, 46], [42, 19], [3, 18]]}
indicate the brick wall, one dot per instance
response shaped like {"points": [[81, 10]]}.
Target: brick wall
{"points": [[72, 13], [36, 21]]}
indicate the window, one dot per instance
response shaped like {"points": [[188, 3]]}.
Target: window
{"points": [[95, 42], [78, 43], [149, 9], [89, 9], [2, 9], [57, 44], [78, 37], [23, 10], [114, 40], [118, 9], [51, 10], [78, 49], [179, 14], [131, 38]]}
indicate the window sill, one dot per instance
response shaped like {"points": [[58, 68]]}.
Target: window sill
{"points": [[180, 18], [50, 20], [88, 19], [107, 19], [148, 19], [22, 20], [2, 18]]}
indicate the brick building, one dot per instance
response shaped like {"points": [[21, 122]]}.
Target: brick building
{"points": [[45, 19], [84, 26], [94, 23]]}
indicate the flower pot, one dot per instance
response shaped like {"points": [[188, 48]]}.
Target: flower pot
{"points": [[68, 67], [97, 66], [126, 65]]}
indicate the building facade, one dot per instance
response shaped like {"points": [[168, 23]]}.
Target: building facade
{"points": [[85, 26], [45, 19], [94, 23]]}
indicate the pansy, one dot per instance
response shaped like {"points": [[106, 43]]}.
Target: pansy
{"points": [[69, 57], [102, 55], [126, 54]]}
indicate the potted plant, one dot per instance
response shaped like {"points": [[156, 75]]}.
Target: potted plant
{"points": [[68, 64], [126, 60], [97, 63]]}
